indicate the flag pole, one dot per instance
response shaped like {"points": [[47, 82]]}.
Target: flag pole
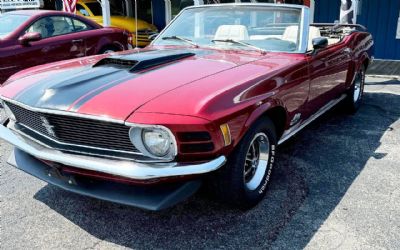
{"points": [[136, 26]]}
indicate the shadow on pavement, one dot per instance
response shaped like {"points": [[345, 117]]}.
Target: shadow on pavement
{"points": [[312, 174]]}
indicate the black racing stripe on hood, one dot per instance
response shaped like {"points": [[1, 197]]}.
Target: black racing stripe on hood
{"points": [[60, 91], [79, 85], [135, 62]]}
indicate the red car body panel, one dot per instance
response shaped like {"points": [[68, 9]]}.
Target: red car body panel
{"points": [[15, 56], [211, 88]]}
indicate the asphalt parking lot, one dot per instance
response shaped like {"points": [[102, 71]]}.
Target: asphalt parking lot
{"points": [[335, 185]]}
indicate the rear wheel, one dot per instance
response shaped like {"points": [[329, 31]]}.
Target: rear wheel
{"points": [[355, 93], [243, 180]]}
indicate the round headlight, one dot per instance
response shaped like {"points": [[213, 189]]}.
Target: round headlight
{"points": [[157, 141]]}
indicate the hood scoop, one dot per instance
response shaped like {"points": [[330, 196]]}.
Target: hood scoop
{"points": [[141, 61]]}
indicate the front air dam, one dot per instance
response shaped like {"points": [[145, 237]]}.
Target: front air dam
{"points": [[150, 198]]}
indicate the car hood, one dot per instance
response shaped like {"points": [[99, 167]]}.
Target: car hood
{"points": [[111, 86]]}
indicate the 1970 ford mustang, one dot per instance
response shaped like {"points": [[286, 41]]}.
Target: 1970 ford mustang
{"points": [[208, 102]]}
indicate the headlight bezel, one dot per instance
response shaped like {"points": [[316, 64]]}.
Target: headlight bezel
{"points": [[136, 136]]}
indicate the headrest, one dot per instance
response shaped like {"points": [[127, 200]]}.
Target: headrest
{"points": [[234, 32]]}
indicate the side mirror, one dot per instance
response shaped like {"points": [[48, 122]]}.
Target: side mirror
{"points": [[30, 37], [320, 43]]}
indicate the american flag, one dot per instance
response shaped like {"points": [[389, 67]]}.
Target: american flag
{"points": [[69, 6]]}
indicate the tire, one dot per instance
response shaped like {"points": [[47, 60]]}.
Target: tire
{"points": [[238, 182], [108, 49], [354, 95]]}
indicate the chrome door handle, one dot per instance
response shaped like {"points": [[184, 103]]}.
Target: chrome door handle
{"points": [[77, 41]]}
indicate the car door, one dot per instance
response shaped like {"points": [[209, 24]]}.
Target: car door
{"points": [[59, 42], [328, 72], [8, 61], [89, 35]]}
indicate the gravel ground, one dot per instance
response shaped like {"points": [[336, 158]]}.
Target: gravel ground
{"points": [[335, 185]]}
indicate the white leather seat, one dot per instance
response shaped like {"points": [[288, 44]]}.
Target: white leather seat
{"points": [[234, 32], [61, 27], [291, 33], [333, 40], [314, 32]]}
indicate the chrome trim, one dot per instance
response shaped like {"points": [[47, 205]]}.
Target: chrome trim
{"points": [[304, 30], [98, 118], [71, 144], [127, 169], [138, 142], [22, 134], [293, 6], [70, 114], [305, 22], [294, 130], [65, 113], [9, 67]]}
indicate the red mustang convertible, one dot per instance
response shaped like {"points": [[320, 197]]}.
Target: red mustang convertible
{"points": [[207, 102]]}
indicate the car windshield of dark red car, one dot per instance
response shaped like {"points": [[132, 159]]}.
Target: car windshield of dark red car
{"points": [[264, 28], [10, 22]]}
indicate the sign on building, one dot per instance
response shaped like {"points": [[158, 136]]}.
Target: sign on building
{"points": [[19, 4]]}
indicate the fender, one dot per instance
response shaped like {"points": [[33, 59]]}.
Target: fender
{"points": [[261, 110], [104, 41], [355, 67], [119, 45]]}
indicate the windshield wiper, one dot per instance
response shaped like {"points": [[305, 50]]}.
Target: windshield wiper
{"points": [[240, 43], [181, 39]]}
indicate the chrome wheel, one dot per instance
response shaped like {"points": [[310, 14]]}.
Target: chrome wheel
{"points": [[358, 84], [256, 161]]}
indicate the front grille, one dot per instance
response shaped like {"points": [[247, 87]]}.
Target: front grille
{"points": [[143, 35], [77, 131]]}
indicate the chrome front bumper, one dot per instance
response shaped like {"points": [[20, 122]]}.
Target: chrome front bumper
{"points": [[123, 168]]}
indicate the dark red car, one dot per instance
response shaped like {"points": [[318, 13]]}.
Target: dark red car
{"points": [[30, 38], [210, 100]]}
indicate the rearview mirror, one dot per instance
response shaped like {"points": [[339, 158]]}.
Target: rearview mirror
{"points": [[320, 43], [30, 37]]}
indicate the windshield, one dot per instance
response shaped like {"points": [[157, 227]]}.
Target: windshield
{"points": [[270, 28], [95, 8], [10, 22]]}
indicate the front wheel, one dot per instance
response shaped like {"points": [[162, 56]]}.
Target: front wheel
{"points": [[244, 179], [355, 93]]}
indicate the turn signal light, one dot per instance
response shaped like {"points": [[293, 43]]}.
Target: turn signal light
{"points": [[130, 39], [226, 133]]}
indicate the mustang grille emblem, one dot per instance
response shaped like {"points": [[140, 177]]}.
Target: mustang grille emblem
{"points": [[49, 128]]}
